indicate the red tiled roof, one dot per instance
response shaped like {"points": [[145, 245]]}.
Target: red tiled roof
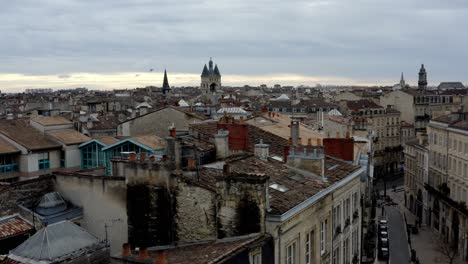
{"points": [[13, 225]]}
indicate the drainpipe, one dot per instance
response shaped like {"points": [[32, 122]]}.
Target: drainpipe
{"points": [[280, 231]]}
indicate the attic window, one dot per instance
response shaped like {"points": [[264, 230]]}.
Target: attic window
{"points": [[279, 187]]}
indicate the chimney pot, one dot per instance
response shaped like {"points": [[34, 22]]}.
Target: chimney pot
{"points": [[143, 254], [319, 142], [132, 156], [309, 142], [126, 250], [192, 164], [299, 141], [338, 134], [347, 134], [172, 132], [161, 257], [143, 156]]}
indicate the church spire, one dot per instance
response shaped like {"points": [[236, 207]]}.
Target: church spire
{"points": [[422, 82], [166, 88], [402, 81]]}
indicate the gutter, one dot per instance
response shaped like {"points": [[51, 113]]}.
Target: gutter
{"points": [[311, 200]]}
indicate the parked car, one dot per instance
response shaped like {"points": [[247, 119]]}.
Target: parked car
{"points": [[383, 222], [383, 228], [383, 234], [383, 253], [383, 242]]}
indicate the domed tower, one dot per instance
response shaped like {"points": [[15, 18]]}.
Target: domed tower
{"points": [[210, 79]]}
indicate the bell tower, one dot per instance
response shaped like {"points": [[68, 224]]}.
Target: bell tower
{"points": [[422, 82], [210, 79]]}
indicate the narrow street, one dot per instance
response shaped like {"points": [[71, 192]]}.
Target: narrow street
{"points": [[399, 250]]}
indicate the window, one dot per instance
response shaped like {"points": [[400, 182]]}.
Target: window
{"points": [[62, 159], [355, 243], [290, 251], [43, 161], [346, 257], [337, 219], [323, 236], [347, 212], [256, 256], [307, 248], [8, 163], [336, 255], [355, 201]]}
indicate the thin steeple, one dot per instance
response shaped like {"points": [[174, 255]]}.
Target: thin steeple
{"points": [[166, 87]]}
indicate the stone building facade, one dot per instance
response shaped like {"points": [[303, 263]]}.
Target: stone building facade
{"points": [[210, 79]]}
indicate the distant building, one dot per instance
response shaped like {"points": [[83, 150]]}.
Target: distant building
{"points": [[210, 79], [166, 88]]}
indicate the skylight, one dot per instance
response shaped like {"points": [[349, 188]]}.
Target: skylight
{"points": [[279, 187]]}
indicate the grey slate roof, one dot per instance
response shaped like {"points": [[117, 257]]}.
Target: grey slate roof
{"points": [[205, 72], [216, 71]]}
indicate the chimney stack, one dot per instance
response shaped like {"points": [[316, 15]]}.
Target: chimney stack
{"points": [[161, 257], [222, 144], [143, 254], [126, 250], [295, 132], [262, 151]]}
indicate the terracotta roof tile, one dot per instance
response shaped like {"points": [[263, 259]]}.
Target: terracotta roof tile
{"points": [[13, 225]]}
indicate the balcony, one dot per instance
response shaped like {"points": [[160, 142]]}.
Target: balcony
{"points": [[443, 195]]}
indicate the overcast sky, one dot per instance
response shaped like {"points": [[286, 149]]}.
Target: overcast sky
{"points": [[114, 43]]}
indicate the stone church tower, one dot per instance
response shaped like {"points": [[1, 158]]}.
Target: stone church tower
{"points": [[422, 82], [210, 79]]}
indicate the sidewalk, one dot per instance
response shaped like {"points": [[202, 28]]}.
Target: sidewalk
{"points": [[423, 242]]}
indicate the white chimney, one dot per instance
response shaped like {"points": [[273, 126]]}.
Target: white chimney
{"points": [[222, 144], [262, 151]]}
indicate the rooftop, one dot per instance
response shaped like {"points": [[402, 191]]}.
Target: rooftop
{"points": [[13, 225], [68, 136], [299, 187], [152, 141], [51, 120], [55, 243], [7, 148], [280, 127], [22, 133], [362, 104]]}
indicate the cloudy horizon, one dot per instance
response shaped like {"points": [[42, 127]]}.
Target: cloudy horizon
{"points": [[113, 44]]}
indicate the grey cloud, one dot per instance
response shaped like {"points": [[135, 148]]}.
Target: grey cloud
{"points": [[363, 39]]}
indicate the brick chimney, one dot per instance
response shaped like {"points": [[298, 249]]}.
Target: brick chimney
{"points": [[222, 144], [161, 257], [126, 250], [261, 150], [143, 254]]}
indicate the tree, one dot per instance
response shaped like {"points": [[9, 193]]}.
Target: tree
{"points": [[448, 250]]}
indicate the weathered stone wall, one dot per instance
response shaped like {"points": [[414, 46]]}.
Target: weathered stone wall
{"points": [[24, 192], [242, 203], [196, 213]]}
